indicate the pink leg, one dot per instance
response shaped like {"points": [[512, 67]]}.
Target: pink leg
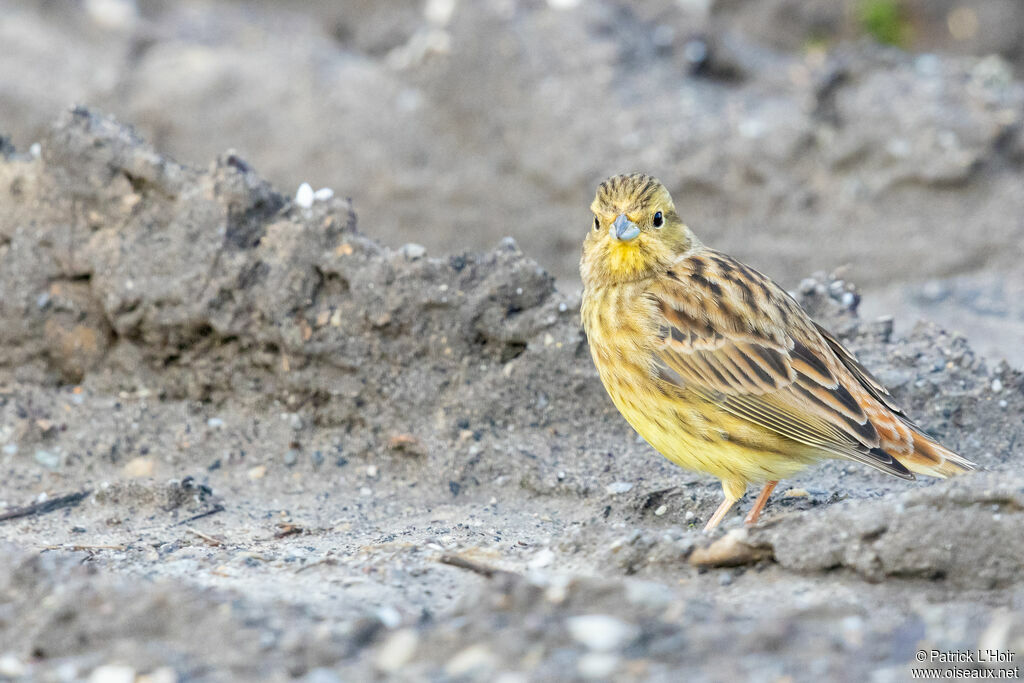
{"points": [[759, 504]]}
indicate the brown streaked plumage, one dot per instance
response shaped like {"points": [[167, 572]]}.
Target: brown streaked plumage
{"points": [[718, 368]]}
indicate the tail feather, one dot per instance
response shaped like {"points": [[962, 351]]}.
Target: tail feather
{"points": [[934, 459]]}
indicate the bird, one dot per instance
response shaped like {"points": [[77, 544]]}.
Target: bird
{"points": [[718, 368]]}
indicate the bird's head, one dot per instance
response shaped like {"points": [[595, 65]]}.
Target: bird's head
{"points": [[636, 231]]}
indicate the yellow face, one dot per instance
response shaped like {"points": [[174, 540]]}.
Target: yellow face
{"points": [[636, 231]]}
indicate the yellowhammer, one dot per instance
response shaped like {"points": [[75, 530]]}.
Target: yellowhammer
{"points": [[718, 368]]}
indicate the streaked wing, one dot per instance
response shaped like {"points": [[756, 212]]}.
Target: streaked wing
{"points": [[765, 363], [866, 379]]}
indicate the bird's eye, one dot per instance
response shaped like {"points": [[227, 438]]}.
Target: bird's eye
{"points": [[597, 223], [658, 220]]}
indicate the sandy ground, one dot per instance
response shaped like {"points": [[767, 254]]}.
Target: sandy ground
{"points": [[299, 453]]}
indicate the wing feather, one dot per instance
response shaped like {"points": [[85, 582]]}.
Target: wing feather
{"points": [[794, 386]]}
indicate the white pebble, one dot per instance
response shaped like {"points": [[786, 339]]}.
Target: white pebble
{"points": [[323, 194], [11, 666], [601, 632], [662, 509], [112, 673], [997, 386], [304, 196], [389, 616], [617, 487], [413, 251], [112, 14], [439, 12], [396, 651], [371, 471], [542, 559], [215, 423], [599, 665]]}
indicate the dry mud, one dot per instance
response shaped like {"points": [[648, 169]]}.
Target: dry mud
{"points": [[305, 454]]}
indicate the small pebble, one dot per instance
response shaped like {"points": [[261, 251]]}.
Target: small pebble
{"points": [[215, 423], [997, 386], [291, 456], [601, 632], [11, 666], [47, 459], [542, 559], [10, 449], [139, 467], [662, 509], [617, 487], [112, 673], [389, 616], [304, 196], [397, 650], [473, 658], [600, 665], [413, 251], [372, 471], [323, 194], [257, 472]]}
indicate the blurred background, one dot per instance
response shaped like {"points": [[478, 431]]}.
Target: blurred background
{"points": [[878, 138]]}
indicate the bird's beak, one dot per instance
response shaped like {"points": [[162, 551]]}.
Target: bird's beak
{"points": [[624, 229]]}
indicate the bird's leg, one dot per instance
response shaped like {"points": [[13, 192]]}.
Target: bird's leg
{"points": [[733, 491], [762, 500], [720, 513]]}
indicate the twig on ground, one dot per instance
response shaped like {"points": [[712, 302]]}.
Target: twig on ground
{"points": [[212, 511], [212, 540], [41, 508], [470, 565]]}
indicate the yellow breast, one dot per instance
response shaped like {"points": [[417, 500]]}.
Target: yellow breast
{"points": [[687, 429]]}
